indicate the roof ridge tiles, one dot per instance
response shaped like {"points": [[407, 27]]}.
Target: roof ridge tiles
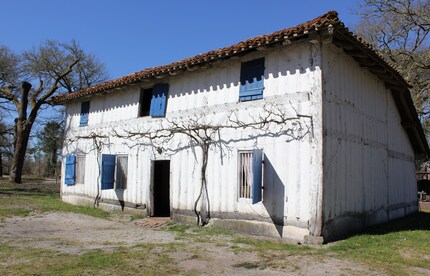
{"points": [[316, 24]]}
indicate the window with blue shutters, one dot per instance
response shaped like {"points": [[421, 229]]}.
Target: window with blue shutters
{"points": [[257, 175], [69, 176], [108, 171], [251, 80], [159, 100], [85, 110], [250, 175], [153, 101]]}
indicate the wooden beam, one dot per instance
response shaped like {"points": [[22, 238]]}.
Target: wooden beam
{"points": [[377, 69], [409, 124], [365, 62], [356, 53], [344, 44], [161, 76]]}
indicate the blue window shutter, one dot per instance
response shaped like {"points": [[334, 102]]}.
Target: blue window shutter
{"points": [[69, 178], [257, 173], [252, 80], [159, 100], [85, 110], [108, 171]]}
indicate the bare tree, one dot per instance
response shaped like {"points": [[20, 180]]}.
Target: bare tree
{"points": [[399, 30], [204, 132], [56, 68], [50, 142], [4, 143]]}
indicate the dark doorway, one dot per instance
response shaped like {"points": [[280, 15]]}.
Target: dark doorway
{"points": [[161, 189]]}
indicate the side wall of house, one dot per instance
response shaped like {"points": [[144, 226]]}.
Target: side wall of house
{"points": [[369, 171], [292, 151]]}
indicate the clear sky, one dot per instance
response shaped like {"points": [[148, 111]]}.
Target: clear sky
{"points": [[131, 35]]}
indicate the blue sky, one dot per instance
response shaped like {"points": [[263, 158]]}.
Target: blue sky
{"points": [[131, 35]]}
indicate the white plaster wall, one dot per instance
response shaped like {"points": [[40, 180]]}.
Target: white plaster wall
{"points": [[292, 167], [369, 172]]}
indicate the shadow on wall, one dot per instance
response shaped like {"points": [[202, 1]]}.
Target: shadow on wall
{"points": [[274, 195], [120, 192], [120, 196]]}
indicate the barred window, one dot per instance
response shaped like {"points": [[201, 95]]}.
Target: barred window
{"points": [[245, 174]]}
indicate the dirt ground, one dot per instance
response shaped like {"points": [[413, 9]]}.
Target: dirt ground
{"points": [[76, 234]]}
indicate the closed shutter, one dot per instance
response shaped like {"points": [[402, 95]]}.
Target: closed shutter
{"points": [[69, 178], [252, 80], [108, 171], [257, 173], [159, 100], [85, 110]]}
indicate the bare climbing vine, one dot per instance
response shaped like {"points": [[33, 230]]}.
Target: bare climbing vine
{"points": [[203, 131]]}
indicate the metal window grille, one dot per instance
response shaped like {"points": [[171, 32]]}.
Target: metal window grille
{"points": [[121, 171], [80, 169], [245, 174]]}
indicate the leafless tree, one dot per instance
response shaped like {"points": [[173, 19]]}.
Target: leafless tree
{"points": [[56, 68], [399, 30]]}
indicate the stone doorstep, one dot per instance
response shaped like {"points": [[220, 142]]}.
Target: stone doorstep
{"points": [[152, 222]]}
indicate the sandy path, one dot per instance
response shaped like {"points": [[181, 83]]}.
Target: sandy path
{"points": [[75, 234]]}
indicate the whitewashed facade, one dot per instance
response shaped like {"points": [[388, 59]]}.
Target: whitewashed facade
{"points": [[341, 160]]}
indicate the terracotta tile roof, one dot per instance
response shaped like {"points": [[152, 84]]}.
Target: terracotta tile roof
{"points": [[339, 35], [330, 18]]}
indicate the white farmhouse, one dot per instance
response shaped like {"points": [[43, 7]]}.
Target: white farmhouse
{"points": [[305, 133]]}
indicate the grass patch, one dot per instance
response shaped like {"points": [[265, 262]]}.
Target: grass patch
{"points": [[25, 179], [124, 261], [198, 234], [248, 265], [17, 200], [394, 247], [136, 217], [262, 245], [11, 212]]}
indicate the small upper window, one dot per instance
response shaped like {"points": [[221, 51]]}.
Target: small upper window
{"points": [[145, 102], [153, 101], [252, 80], [85, 110]]}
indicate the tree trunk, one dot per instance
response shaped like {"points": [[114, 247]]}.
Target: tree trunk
{"points": [[23, 127], [203, 216], [54, 160], [23, 135]]}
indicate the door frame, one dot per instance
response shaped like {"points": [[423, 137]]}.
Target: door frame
{"points": [[151, 187]]}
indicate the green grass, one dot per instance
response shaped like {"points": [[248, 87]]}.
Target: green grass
{"points": [[21, 201], [124, 261], [394, 246], [197, 234], [25, 179]]}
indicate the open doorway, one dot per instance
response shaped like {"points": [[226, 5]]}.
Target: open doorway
{"points": [[161, 189]]}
